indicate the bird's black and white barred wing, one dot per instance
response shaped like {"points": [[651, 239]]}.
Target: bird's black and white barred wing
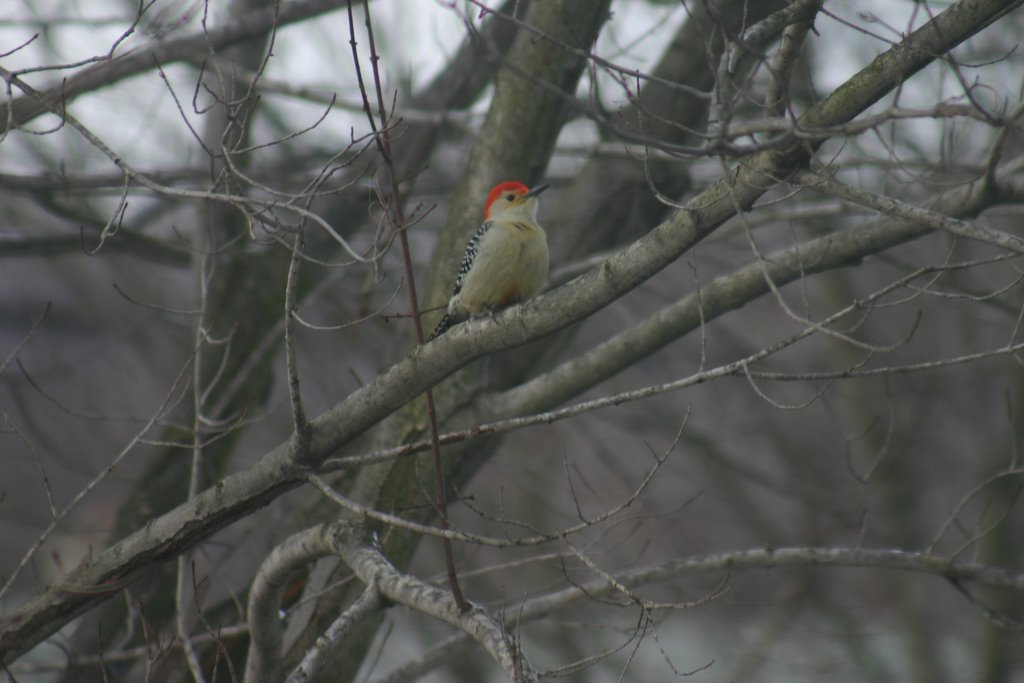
{"points": [[468, 257]]}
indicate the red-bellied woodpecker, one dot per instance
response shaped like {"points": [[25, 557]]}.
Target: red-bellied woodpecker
{"points": [[506, 260]]}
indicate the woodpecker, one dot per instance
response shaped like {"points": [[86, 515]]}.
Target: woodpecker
{"points": [[506, 260]]}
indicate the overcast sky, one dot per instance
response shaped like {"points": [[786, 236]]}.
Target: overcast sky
{"points": [[139, 118]]}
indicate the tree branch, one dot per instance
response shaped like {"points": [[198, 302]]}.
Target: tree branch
{"points": [[375, 571], [194, 47]]}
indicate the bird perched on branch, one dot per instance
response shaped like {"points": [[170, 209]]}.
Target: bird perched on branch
{"points": [[506, 260]]}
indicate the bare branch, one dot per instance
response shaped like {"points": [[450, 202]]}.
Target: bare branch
{"points": [[365, 605], [17, 113], [726, 563], [907, 212], [376, 572]]}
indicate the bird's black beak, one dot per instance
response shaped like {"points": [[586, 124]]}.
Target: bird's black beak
{"points": [[536, 191]]}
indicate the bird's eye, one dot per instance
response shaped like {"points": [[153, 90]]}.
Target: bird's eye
{"points": [[510, 197]]}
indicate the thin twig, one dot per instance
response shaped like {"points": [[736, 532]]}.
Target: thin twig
{"points": [[384, 145]]}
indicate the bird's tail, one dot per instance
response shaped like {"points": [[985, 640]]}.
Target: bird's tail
{"points": [[442, 327]]}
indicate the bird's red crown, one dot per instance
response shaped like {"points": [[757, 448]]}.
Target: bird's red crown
{"points": [[513, 186]]}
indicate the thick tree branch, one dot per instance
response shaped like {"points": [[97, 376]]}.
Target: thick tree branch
{"points": [[263, 663], [368, 603], [375, 571]]}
